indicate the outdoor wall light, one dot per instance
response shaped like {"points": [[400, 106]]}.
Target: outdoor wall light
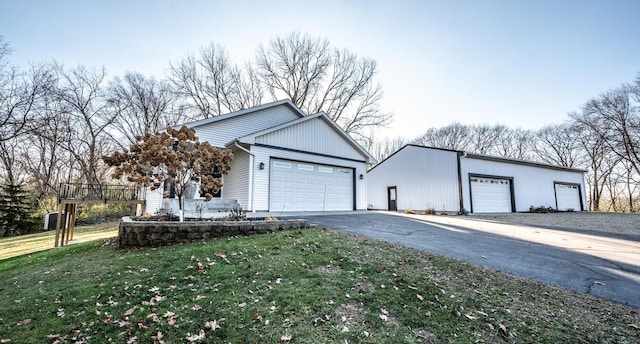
{"points": [[261, 166], [361, 176]]}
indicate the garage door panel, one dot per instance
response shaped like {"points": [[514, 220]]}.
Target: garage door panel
{"points": [[568, 197], [490, 195], [315, 187]]}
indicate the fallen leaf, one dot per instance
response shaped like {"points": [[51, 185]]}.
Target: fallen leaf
{"points": [[384, 311], [634, 326], [242, 304], [196, 337], [419, 297], [428, 314], [132, 340], [383, 317], [129, 312], [24, 322], [196, 308], [470, 317], [286, 337], [5, 340], [211, 325], [503, 330]]}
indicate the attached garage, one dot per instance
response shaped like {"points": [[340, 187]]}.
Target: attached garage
{"points": [[304, 186], [568, 197], [491, 194]]}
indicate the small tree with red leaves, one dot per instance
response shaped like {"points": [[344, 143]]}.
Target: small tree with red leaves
{"points": [[176, 157]]}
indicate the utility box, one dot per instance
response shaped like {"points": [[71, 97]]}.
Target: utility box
{"points": [[50, 220]]}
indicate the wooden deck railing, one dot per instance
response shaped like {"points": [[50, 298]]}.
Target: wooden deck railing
{"points": [[99, 193]]}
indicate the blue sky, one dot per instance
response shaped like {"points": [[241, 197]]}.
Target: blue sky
{"points": [[521, 63]]}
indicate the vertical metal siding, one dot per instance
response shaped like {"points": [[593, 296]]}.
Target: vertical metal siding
{"points": [[222, 132], [312, 136], [264, 154], [236, 183], [424, 177], [533, 185]]}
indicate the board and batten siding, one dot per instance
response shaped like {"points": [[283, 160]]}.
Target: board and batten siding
{"points": [[236, 183], [311, 136], [423, 177], [261, 177], [225, 130], [533, 185]]}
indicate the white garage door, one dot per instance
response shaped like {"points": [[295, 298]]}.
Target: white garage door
{"points": [[490, 195], [301, 186], [568, 197]]}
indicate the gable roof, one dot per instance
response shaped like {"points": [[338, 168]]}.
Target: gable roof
{"points": [[251, 138], [464, 154], [242, 112]]}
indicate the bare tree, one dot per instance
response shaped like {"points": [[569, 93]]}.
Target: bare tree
{"points": [[557, 145], [212, 85], [84, 104], [318, 78], [382, 149], [616, 120], [143, 106], [454, 136], [513, 143], [18, 94]]}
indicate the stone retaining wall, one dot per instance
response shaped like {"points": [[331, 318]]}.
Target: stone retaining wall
{"points": [[155, 233]]}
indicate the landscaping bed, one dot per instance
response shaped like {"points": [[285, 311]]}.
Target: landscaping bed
{"points": [[164, 233]]}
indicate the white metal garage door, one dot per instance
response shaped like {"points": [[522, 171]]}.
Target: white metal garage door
{"points": [[490, 195], [301, 186], [568, 197]]}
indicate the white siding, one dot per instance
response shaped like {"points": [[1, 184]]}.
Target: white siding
{"points": [[424, 177], [261, 180], [311, 136], [236, 183], [221, 132], [153, 200], [532, 185]]}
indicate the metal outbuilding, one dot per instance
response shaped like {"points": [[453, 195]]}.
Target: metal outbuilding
{"points": [[420, 178]]}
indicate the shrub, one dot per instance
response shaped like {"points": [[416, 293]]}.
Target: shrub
{"points": [[541, 209], [409, 211]]}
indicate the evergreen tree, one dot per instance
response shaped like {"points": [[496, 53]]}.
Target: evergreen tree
{"points": [[15, 210]]}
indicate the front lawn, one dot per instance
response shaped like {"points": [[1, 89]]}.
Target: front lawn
{"points": [[307, 286]]}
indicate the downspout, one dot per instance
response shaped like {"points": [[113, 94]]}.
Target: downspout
{"points": [[461, 155], [251, 179]]}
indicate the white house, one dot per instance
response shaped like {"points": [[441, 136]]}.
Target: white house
{"points": [[285, 160], [418, 178]]}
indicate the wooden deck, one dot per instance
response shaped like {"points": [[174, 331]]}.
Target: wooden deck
{"points": [[71, 195]]}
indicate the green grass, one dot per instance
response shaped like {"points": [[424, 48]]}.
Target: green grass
{"points": [[308, 286], [30, 243]]}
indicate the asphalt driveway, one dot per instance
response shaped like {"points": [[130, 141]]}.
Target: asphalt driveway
{"points": [[600, 264]]}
